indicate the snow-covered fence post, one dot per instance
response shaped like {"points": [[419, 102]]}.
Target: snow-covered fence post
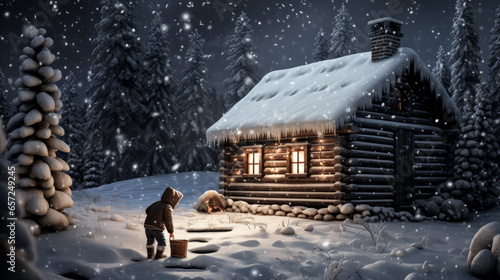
{"points": [[43, 189]]}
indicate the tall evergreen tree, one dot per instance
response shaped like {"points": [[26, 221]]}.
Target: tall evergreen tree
{"points": [[343, 35], [243, 68], [74, 134], [494, 71], [6, 108], [158, 88], [442, 69], [464, 55], [116, 102], [321, 48], [195, 98]]}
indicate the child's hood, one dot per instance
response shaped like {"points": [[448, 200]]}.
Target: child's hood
{"points": [[171, 197]]}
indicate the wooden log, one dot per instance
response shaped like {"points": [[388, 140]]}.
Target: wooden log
{"points": [[275, 170], [431, 152], [275, 157], [425, 189], [322, 162], [431, 166], [376, 132], [323, 154], [429, 159], [390, 125], [348, 153], [368, 188], [286, 194], [429, 137], [372, 179], [433, 173], [431, 145], [275, 163], [369, 162], [322, 170], [381, 148], [392, 116], [305, 187], [369, 195], [374, 202], [290, 201], [431, 180], [371, 138], [370, 170]]}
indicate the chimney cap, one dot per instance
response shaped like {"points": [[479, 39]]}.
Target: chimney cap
{"points": [[384, 19]]}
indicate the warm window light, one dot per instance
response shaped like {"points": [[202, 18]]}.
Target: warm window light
{"points": [[253, 163], [298, 162]]}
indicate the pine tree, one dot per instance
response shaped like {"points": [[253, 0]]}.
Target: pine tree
{"points": [[158, 86], [321, 49], [477, 150], [43, 188], [116, 102], [6, 108], [196, 105], [442, 69], [464, 56], [494, 71], [243, 68], [343, 35], [74, 135]]}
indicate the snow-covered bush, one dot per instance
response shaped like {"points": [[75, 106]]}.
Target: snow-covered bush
{"points": [[43, 189]]}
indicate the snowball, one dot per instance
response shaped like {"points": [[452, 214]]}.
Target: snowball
{"points": [[34, 116], [45, 101], [35, 147], [40, 170], [54, 219], [287, 231], [60, 201], [45, 57], [37, 41], [483, 263], [48, 42], [33, 201], [483, 239], [56, 77], [24, 159], [117, 218], [61, 180], [29, 65], [30, 81], [347, 209], [46, 72], [310, 212], [53, 164], [43, 133]]}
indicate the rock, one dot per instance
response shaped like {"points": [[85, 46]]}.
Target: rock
{"points": [[318, 217], [483, 264], [297, 211], [328, 217], [26, 95], [269, 212], [34, 116], [309, 228], [46, 72], [362, 207], [59, 131], [55, 78], [310, 212], [432, 208], [455, 209], [52, 118], [61, 180], [46, 102], [48, 42], [26, 160], [53, 163], [302, 216], [347, 209], [49, 192], [291, 215], [280, 213], [340, 217], [60, 201], [275, 207], [278, 244], [71, 221], [26, 182], [30, 81], [376, 210], [483, 239], [287, 231], [117, 218], [43, 133], [54, 219], [33, 201], [398, 252], [332, 209], [29, 65], [32, 226], [45, 57], [40, 170], [495, 247], [323, 211], [366, 214], [35, 147], [286, 208]]}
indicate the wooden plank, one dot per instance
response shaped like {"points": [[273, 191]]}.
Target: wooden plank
{"points": [[374, 202], [290, 201], [431, 152], [317, 187], [281, 156], [323, 154], [275, 170], [322, 162], [359, 145], [371, 138], [431, 166], [429, 137], [369, 162], [286, 194]]}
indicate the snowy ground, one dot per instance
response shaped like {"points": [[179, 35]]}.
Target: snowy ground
{"points": [[108, 241]]}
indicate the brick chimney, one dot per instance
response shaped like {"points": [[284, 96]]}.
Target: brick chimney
{"points": [[385, 34]]}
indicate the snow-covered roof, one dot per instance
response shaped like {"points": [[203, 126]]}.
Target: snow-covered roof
{"points": [[372, 22], [319, 97]]}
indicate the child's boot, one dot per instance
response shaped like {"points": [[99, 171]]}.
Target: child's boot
{"points": [[159, 252], [151, 250]]}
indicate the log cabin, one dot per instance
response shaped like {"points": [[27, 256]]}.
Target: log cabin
{"points": [[375, 128]]}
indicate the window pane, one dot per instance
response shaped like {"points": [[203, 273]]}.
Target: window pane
{"points": [[294, 156], [250, 158], [294, 168], [256, 168], [301, 168], [257, 157], [301, 156], [250, 169]]}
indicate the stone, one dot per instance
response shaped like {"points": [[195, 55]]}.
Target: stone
{"points": [[483, 264], [483, 239], [309, 228], [275, 207], [46, 102], [59, 145], [40, 170], [34, 116], [398, 252], [54, 219], [46, 72], [287, 231], [432, 208], [495, 246], [30, 81], [303, 216], [323, 211], [332, 209], [455, 209], [341, 217], [33, 201], [376, 210], [53, 164], [291, 215], [328, 217], [280, 213], [52, 118], [297, 211], [60, 201], [318, 217], [347, 209], [310, 212], [26, 182], [45, 57], [55, 78], [362, 208], [62, 180], [26, 160], [48, 42], [29, 65]]}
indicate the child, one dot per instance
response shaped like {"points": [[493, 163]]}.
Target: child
{"points": [[159, 216]]}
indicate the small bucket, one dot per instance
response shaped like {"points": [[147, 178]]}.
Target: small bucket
{"points": [[178, 248]]}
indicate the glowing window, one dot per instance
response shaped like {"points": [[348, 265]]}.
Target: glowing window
{"points": [[298, 162], [253, 163]]}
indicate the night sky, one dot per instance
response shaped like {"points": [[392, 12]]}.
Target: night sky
{"points": [[284, 30]]}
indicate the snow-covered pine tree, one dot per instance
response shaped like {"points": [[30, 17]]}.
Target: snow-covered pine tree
{"points": [[442, 69], [343, 35], [116, 102], [243, 68], [476, 156], [73, 115], [494, 71], [158, 87], [464, 55], [6, 108], [321, 48], [195, 99], [43, 188]]}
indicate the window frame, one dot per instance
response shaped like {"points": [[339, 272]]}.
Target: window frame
{"points": [[297, 147], [247, 150]]}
